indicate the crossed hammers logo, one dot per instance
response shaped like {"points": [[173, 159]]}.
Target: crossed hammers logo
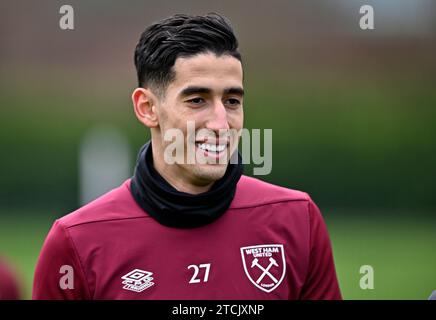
{"points": [[272, 262]]}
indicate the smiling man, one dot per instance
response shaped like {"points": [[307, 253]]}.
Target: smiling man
{"points": [[206, 90], [188, 224]]}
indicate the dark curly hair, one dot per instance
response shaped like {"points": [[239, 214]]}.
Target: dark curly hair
{"points": [[180, 36]]}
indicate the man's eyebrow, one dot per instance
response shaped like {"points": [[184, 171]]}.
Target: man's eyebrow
{"points": [[195, 89], [234, 90]]}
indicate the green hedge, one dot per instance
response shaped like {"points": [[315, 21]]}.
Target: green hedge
{"points": [[348, 145]]}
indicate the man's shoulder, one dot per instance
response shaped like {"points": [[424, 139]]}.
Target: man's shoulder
{"points": [[116, 204], [253, 192]]}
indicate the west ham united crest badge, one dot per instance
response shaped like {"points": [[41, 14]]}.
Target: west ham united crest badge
{"points": [[264, 265]]}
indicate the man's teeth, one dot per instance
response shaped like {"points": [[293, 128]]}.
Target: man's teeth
{"points": [[212, 147]]}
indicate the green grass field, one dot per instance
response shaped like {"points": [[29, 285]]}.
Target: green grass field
{"points": [[401, 251]]}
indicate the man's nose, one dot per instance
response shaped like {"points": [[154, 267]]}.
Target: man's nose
{"points": [[218, 117]]}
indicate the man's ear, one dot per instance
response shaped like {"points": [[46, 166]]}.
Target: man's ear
{"points": [[144, 104]]}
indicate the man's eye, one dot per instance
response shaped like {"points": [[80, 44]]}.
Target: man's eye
{"points": [[233, 102], [196, 101]]}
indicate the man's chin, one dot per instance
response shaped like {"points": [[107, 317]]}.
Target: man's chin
{"points": [[209, 172]]}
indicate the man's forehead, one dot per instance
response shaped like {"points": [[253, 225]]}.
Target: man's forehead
{"points": [[207, 65]]}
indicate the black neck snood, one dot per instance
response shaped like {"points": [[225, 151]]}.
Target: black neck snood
{"points": [[177, 209]]}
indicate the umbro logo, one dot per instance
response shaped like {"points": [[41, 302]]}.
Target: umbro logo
{"points": [[137, 280]]}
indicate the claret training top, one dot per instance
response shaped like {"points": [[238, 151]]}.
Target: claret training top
{"points": [[243, 239]]}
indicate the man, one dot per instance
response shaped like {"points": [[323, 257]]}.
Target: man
{"points": [[9, 285], [190, 229]]}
